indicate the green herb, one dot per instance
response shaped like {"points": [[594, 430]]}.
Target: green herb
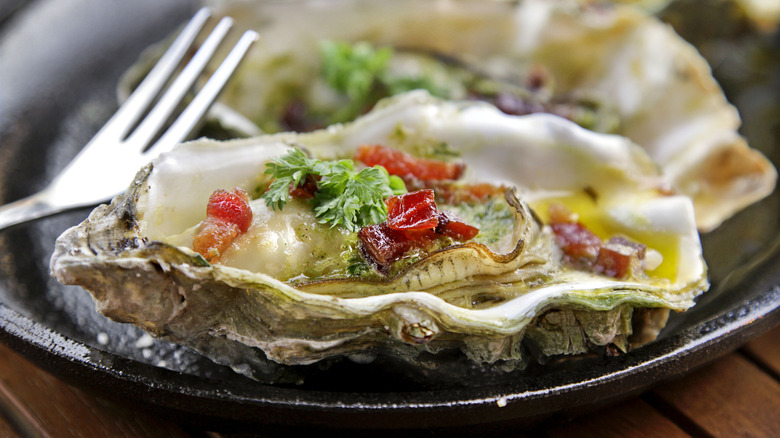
{"points": [[289, 170], [344, 197], [354, 71], [494, 218], [361, 72]]}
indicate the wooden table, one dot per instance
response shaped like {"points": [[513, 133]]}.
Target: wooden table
{"points": [[737, 395]]}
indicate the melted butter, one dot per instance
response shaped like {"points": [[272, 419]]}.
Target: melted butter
{"points": [[602, 221]]}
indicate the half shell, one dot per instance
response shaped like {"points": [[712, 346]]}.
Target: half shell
{"points": [[498, 308]]}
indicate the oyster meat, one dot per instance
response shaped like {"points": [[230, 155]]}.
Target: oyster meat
{"points": [[512, 294]]}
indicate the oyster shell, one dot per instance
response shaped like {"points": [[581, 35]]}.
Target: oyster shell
{"points": [[660, 89], [499, 304]]}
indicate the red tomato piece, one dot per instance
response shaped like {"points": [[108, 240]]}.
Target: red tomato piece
{"points": [[228, 215], [453, 226], [232, 207], [407, 166], [214, 236], [576, 240], [457, 193], [412, 211]]}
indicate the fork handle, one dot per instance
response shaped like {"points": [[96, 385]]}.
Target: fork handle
{"points": [[25, 209]]}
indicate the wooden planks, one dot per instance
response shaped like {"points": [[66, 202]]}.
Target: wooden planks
{"points": [[765, 351], [634, 418], [36, 404], [6, 429], [732, 397], [738, 395]]}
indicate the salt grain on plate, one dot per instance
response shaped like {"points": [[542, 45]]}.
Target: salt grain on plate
{"points": [[144, 341]]}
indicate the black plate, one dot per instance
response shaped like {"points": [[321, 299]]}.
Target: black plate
{"points": [[60, 64]]}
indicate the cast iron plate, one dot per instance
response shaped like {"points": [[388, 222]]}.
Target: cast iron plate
{"points": [[60, 64]]}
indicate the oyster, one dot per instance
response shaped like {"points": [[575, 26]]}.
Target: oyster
{"points": [[647, 83], [497, 301]]}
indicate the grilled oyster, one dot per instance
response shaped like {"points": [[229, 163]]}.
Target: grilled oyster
{"points": [[500, 301], [613, 68]]}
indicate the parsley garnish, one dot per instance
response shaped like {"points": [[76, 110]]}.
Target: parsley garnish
{"points": [[289, 170], [362, 74], [344, 197], [354, 71]]}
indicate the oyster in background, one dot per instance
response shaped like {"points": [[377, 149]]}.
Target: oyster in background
{"points": [[614, 69], [499, 302]]}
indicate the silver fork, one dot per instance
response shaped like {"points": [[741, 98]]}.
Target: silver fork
{"points": [[107, 164]]}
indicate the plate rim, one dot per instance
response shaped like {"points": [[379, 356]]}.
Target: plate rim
{"points": [[198, 399]]}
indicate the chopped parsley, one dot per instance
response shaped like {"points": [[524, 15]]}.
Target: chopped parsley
{"points": [[344, 197]]}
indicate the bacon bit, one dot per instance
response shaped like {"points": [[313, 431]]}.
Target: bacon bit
{"points": [[559, 213], [407, 166], [453, 226], [619, 257], [413, 223], [576, 240], [383, 245], [228, 215], [412, 211], [305, 190]]}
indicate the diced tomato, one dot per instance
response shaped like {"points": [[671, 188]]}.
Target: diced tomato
{"points": [[576, 240], [214, 236], [459, 193], [228, 215], [407, 166], [412, 211], [453, 226], [231, 207], [480, 192]]}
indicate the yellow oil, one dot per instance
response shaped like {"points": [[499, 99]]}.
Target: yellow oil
{"points": [[595, 218]]}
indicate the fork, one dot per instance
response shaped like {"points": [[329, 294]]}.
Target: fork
{"points": [[106, 165]]}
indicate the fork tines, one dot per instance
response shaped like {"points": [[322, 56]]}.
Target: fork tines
{"points": [[150, 88]]}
